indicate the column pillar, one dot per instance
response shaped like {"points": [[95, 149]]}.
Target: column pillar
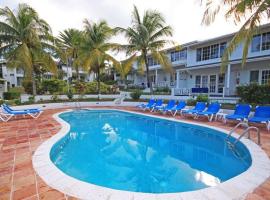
{"points": [[228, 78], [156, 82], [177, 79]]}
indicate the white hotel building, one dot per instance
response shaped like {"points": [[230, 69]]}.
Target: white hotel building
{"points": [[197, 66]]}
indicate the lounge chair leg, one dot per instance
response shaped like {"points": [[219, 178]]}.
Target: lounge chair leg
{"points": [[211, 118]]}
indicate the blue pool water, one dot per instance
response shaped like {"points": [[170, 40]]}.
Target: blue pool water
{"points": [[133, 152]]}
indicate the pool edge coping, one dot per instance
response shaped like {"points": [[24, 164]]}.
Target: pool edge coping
{"points": [[235, 188]]}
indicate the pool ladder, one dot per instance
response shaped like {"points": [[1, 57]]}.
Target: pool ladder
{"points": [[245, 132]]}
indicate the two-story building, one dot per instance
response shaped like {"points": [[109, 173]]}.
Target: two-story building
{"points": [[196, 67]]}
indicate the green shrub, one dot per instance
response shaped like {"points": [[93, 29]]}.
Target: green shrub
{"points": [[11, 95], [31, 99], [202, 98], [92, 88], [69, 95], [53, 86], [17, 89], [136, 94], [254, 93], [80, 87], [191, 102], [17, 101], [28, 87], [163, 89]]}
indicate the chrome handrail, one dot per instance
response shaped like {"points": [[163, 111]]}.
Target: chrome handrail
{"points": [[239, 124], [247, 131]]}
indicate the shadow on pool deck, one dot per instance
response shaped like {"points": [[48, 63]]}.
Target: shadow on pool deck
{"points": [[20, 137]]}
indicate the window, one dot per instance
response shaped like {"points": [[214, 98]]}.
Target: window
{"points": [[254, 76], [199, 54], [151, 61], [214, 51], [205, 81], [256, 43], [178, 55], [260, 42], [211, 52], [206, 53], [221, 82], [265, 76], [212, 86], [198, 81], [266, 41]]}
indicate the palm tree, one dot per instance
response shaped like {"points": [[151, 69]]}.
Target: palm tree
{"points": [[146, 36], [69, 42], [95, 46], [256, 10], [125, 66], [26, 41]]}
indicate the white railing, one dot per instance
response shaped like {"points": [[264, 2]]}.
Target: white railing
{"points": [[164, 84], [181, 91]]}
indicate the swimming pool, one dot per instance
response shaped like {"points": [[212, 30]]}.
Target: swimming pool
{"points": [[132, 152]]}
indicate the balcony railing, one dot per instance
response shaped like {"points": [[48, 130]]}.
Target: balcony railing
{"points": [[161, 84]]}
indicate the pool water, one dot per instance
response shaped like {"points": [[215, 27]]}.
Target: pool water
{"points": [[132, 152]]}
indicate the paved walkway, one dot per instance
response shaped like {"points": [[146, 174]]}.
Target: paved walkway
{"points": [[19, 138]]}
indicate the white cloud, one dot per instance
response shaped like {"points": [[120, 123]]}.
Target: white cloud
{"points": [[184, 16]]}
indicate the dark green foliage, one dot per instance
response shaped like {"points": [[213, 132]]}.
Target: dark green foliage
{"points": [[163, 89], [92, 88], [31, 99], [254, 93], [28, 87], [70, 95], [11, 95], [191, 102], [53, 86], [80, 87], [202, 98], [136, 94]]}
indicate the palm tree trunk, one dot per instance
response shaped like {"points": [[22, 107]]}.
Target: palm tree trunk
{"points": [[98, 80], [77, 73], [34, 85], [149, 84]]}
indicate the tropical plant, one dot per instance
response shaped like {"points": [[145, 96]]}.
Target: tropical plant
{"points": [[250, 11], [136, 94], [124, 67], [26, 41], [69, 42], [94, 54], [147, 35]]}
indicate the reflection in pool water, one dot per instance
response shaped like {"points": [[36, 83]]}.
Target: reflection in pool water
{"points": [[132, 152]]}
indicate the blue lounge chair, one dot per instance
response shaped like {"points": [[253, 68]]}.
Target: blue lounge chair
{"points": [[211, 111], [199, 107], [151, 102], [8, 113], [241, 113], [9, 108], [169, 106], [178, 108], [261, 115], [156, 105]]}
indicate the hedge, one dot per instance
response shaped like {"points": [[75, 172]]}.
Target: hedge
{"points": [[254, 94], [11, 95]]}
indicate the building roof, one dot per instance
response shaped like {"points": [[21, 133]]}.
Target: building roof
{"points": [[222, 37]]}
